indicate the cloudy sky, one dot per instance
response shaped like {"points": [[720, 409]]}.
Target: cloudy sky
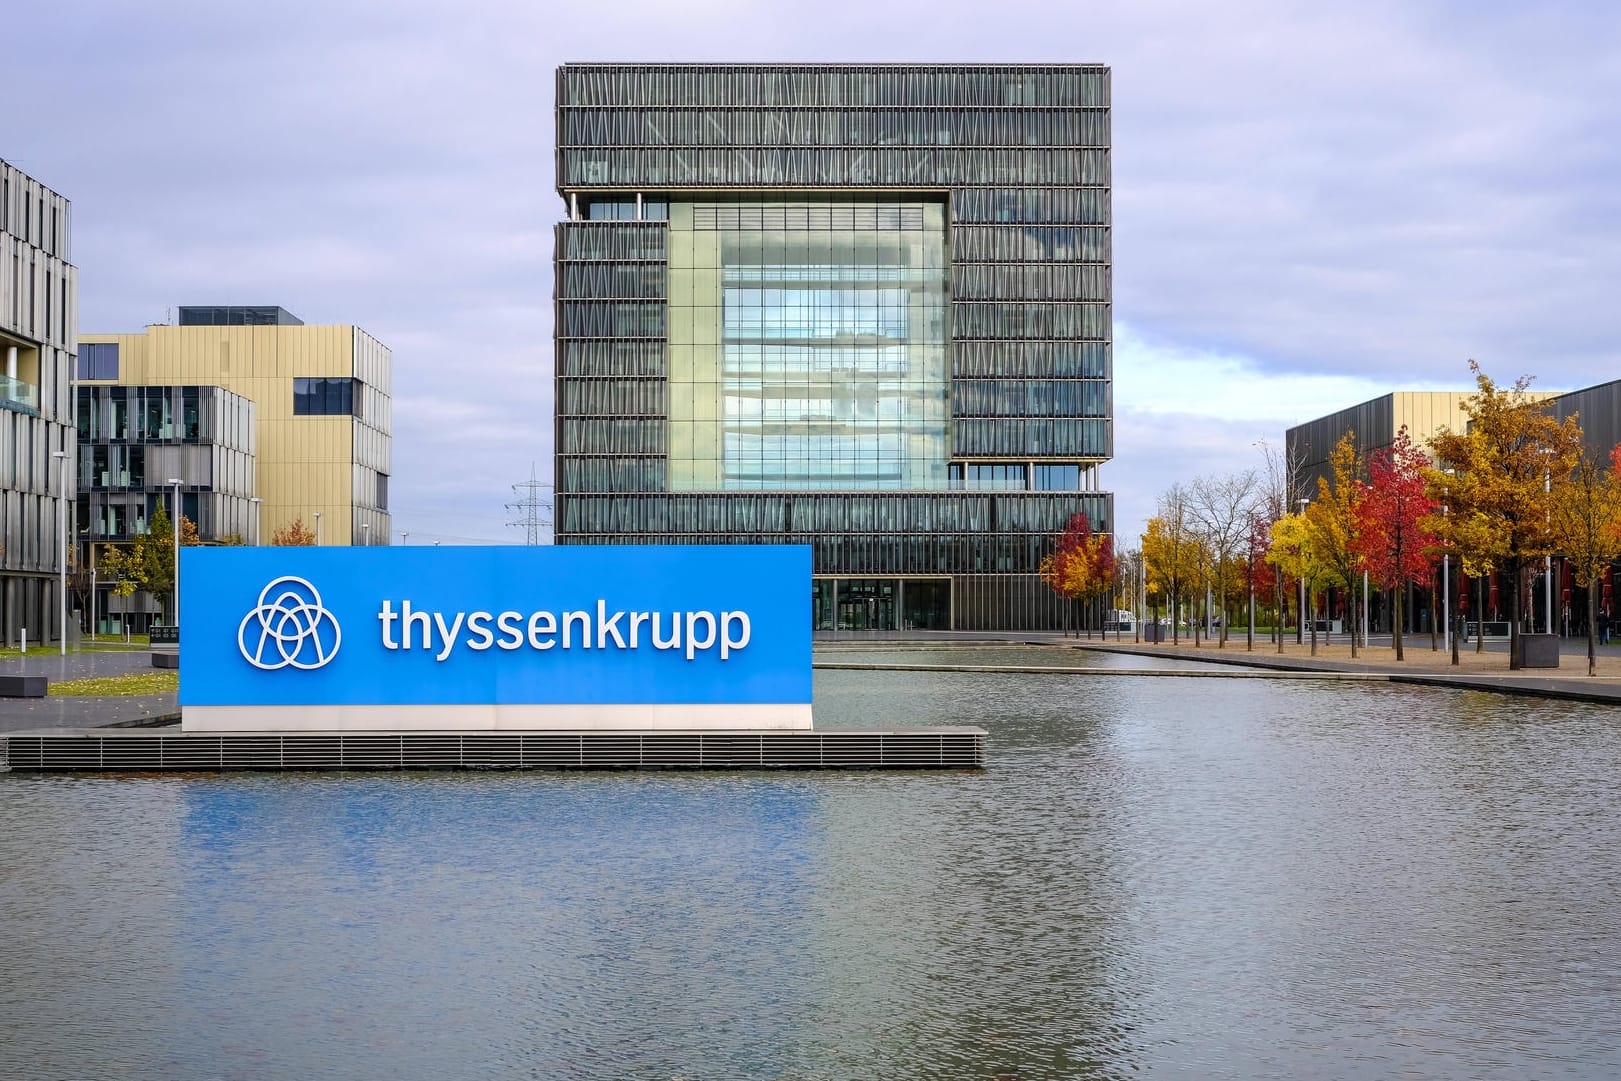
{"points": [[1315, 203]]}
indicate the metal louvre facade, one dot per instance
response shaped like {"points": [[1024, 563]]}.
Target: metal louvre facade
{"points": [[829, 303]]}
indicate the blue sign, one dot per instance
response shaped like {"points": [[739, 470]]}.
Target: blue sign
{"points": [[510, 625]]}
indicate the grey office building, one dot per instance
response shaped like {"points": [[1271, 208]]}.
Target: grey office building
{"points": [[39, 298], [863, 307]]}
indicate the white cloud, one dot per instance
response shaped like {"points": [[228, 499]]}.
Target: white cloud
{"points": [[1313, 203]]}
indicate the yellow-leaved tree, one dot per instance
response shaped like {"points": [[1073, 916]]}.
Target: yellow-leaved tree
{"points": [[1496, 477], [1586, 524], [1294, 550], [1170, 551], [1335, 521]]}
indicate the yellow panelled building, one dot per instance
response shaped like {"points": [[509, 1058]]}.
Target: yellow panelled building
{"points": [[322, 407]]}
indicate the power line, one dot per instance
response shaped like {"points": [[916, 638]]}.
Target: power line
{"points": [[534, 510]]}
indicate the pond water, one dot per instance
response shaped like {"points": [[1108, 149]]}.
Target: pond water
{"points": [[1155, 878]]}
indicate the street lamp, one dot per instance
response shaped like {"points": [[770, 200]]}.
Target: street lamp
{"points": [[257, 505], [405, 538], [317, 529], [1547, 560], [175, 506], [1446, 575], [62, 569], [365, 533], [1300, 624]]}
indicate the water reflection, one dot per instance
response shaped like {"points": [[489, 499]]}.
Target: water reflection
{"points": [[1166, 877]]}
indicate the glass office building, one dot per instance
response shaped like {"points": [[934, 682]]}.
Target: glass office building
{"points": [[861, 307], [39, 317]]}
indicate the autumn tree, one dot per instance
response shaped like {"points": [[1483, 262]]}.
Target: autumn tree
{"points": [[1392, 537], [1294, 549], [1223, 508], [1159, 570], [117, 567], [295, 535], [1169, 548], [153, 554], [1335, 522], [1258, 574], [1586, 522], [1082, 563], [1279, 490], [1500, 514]]}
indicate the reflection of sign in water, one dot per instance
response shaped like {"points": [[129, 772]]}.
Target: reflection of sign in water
{"points": [[289, 627]]}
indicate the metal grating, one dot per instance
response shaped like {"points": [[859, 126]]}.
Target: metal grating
{"points": [[137, 750]]}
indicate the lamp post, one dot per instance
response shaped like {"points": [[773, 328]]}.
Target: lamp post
{"points": [[257, 506], [1300, 624], [1446, 582], [175, 506], [405, 538], [317, 529], [1547, 560], [365, 533], [62, 569]]}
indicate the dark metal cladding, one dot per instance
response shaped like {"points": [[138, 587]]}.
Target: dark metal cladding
{"points": [[1019, 155], [95, 751]]}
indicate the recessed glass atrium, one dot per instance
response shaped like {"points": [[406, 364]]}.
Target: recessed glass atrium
{"points": [[831, 367]]}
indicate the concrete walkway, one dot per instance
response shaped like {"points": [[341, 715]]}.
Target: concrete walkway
{"points": [[1485, 671], [121, 711]]}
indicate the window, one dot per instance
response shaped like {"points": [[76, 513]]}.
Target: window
{"points": [[1058, 478], [315, 397], [611, 208], [98, 361]]}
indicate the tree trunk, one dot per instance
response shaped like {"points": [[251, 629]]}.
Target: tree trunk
{"points": [[1277, 610], [1592, 626], [1176, 630], [1352, 611], [1436, 615], [1395, 623], [1313, 600], [1249, 631], [1516, 576]]}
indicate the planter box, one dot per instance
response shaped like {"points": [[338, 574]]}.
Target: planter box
{"points": [[1537, 650], [1153, 632], [24, 686]]}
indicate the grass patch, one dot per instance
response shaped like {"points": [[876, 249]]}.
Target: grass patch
{"points": [[134, 683]]}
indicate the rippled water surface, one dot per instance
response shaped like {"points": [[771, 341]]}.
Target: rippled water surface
{"points": [[1157, 877]]}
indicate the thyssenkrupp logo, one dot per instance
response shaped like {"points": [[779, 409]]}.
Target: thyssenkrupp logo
{"points": [[289, 628]]}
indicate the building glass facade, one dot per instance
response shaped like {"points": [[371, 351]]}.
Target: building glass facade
{"points": [[863, 307], [39, 318]]}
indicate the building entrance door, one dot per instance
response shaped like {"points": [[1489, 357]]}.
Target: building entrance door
{"points": [[880, 604]]}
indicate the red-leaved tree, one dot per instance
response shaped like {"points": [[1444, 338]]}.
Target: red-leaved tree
{"points": [[1082, 563], [1393, 539]]}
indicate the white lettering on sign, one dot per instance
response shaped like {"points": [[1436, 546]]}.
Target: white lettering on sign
{"points": [[439, 633]]}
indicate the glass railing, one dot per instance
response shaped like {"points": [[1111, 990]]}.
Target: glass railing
{"points": [[16, 392]]}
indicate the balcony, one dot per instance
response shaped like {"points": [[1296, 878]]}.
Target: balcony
{"points": [[18, 396]]}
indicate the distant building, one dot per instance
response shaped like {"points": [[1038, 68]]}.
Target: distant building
{"points": [[134, 439], [864, 307], [39, 302], [1598, 411], [1375, 423], [321, 424]]}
